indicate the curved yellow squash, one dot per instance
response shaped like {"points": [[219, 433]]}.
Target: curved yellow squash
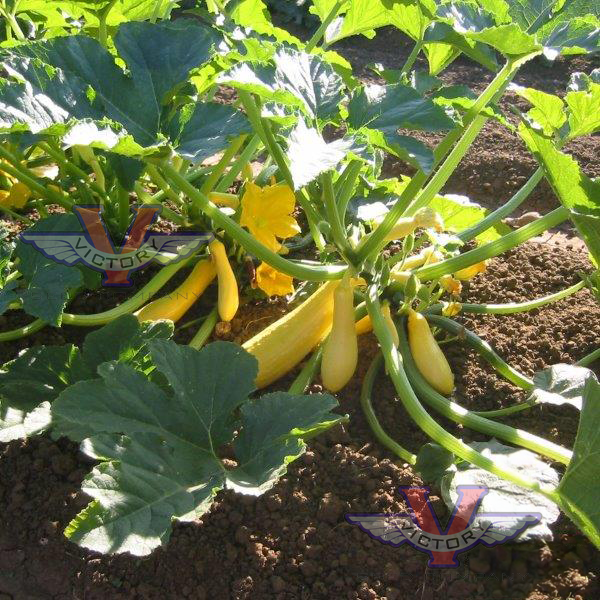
{"points": [[229, 299]]}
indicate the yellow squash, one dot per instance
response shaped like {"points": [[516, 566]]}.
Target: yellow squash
{"points": [[283, 344], [229, 299], [365, 325], [470, 272], [426, 217], [177, 303], [340, 354], [428, 356]]}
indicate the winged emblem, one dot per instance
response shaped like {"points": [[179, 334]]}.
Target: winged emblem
{"points": [[465, 529], [71, 248]]}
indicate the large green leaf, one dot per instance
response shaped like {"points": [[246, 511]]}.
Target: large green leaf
{"points": [[294, 78], [159, 447], [38, 375], [584, 110], [208, 129], [577, 192], [310, 155], [580, 486], [548, 110], [74, 77]]}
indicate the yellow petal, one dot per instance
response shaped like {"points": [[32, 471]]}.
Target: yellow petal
{"points": [[285, 227], [279, 199], [273, 282], [266, 238], [19, 194]]}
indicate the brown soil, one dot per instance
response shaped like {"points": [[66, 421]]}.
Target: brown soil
{"points": [[293, 542]]}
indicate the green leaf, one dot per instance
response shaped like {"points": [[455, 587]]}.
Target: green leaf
{"points": [[206, 130], [577, 192], [310, 155], [548, 110], [159, 448], [49, 283], [504, 496], [271, 437], [509, 39], [17, 424], [41, 373], [391, 107], [433, 462], [48, 291], [561, 384], [8, 296], [579, 486], [298, 79], [322, 8], [74, 77], [459, 213], [584, 116]]}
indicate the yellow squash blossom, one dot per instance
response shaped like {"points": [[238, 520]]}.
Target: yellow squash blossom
{"points": [[273, 282], [267, 213], [16, 197]]}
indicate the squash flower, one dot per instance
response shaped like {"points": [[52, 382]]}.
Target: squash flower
{"points": [[16, 197], [273, 282], [267, 213]]}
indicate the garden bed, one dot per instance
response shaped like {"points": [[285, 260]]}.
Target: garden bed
{"points": [[294, 542]]}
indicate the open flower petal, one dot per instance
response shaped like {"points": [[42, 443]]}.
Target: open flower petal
{"points": [[273, 282]]}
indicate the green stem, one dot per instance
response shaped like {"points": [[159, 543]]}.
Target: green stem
{"points": [[331, 209], [218, 170], [589, 359], [13, 23], [517, 307], [371, 244], [102, 17], [24, 175], [123, 205], [158, 180], [308, 373], [412, 57], [72, 169], [205, 329], [457, 413], [345, 190], [21, 332], [191, 176], [500, 213], [320, 32], [366, 394], [483, 348], [491, 249], [237, 166], [300, 271], [131, 304], [422, 418]]}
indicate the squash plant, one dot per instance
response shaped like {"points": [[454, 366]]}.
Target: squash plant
{"points": [[120, 120]]}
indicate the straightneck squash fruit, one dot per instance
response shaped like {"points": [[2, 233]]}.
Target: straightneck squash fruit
{"points": [[174, 305], [426, 217], [428, 356], [340, 354], [283, 344], [229, 300]]}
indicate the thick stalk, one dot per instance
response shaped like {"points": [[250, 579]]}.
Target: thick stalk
{"points": [[366, 394], [412, 57], [586, 361], [162, 185], [503, 211], [238, 165], [308, 372], [422, 418], [371, 244], [333, 216], [191, 176], [21, 332], [320, 32], [130, 305], [12, 22], [491, 249], [514, 307], [483, 348], [309, 273], [218, 170], [205, 329], [344, 194], [459, 414]]}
